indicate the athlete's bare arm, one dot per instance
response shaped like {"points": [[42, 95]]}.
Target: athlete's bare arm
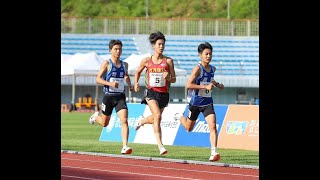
{"points": [[171, 77], [142, 65], [126, 76]]}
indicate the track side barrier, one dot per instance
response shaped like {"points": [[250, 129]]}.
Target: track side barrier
{"points": [[237, 126]]}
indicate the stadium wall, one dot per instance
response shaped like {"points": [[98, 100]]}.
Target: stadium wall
{"points": [[229, 95], [234, 84], [237, 126]]}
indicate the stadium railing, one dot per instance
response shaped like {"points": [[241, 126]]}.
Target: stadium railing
{"points": [[168, 26]]}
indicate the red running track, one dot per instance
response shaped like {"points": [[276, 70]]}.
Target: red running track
{"points": [[90, 167]]}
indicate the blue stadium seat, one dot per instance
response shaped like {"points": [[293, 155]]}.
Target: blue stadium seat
{"points": [[83, 43], [231, 55]]}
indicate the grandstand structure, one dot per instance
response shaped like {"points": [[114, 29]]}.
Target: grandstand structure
{"points": [[75, 43], [231, 55], [236, 59]]}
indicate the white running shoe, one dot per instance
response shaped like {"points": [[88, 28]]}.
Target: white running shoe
{"points": [[126, 150], [214, 157], [177, 116], [162, 150], [92, 118], [138, 122]]}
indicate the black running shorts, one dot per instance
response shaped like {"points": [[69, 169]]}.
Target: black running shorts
{"points": [[195, 111], [161, 98], [113, 101]]}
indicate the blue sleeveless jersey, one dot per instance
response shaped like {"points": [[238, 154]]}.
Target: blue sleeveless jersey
{"points": [[114, 74], [202, 97]]}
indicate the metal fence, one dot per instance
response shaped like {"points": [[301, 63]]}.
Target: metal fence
{"points": [[211, 27]]}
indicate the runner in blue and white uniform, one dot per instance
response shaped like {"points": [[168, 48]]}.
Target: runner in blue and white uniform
{"points": [[200, 86], [112, 75]]}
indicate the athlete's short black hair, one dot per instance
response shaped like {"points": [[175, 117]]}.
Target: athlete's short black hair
{"points": [[204, 46], [114, 42], [155, 36]]}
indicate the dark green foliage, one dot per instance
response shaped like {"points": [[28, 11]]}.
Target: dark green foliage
{"points": [[161, 9]]}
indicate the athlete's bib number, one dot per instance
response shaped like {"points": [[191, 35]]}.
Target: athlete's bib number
{"points": [[120, 85], [156, 80], [204, 92]]}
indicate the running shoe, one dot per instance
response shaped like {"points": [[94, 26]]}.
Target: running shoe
{"points": [[163, 150], [177, 116], [126, 150], [92, 118], [138, 122], [214, 157]]}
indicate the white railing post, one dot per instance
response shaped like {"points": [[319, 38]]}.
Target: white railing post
{"points": [[89, 25], [217, 27], [200, 27], [169, 27], [73, 25], [249, 28], [105, 25], [232, 28], [153, 25], [121, 26], [137, 26], [185, 27]]}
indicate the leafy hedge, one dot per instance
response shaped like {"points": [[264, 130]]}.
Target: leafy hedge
{"points": [[161, 9]]}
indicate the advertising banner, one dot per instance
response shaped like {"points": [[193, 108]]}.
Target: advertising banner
{"points": [[113, 131], [240, 129], [237, 127], [199, 135], [169, 126]]}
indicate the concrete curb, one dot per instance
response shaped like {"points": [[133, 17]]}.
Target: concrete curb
{"points": [[163, 159]]}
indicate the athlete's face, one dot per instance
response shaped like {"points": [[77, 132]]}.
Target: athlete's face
{"points": [[116, 51], [159, 46], [206, 56]]}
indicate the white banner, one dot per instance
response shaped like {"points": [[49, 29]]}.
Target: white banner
{"points": [[169, 126]]}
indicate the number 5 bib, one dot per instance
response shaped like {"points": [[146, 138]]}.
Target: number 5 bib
{"points": [[156, 80]]}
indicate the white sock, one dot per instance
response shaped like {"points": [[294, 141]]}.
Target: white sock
{"points": [[214, 149]]}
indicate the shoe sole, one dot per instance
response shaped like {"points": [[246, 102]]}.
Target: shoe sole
{"points": [[174, 117], [91, 121], [165, 152], [129, 151], [138, 127]]}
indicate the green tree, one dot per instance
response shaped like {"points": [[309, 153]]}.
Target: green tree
{"points": [[161, 9]]}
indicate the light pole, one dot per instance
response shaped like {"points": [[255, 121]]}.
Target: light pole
{"points": [[147, 4], [229, 29], [228, 9]]}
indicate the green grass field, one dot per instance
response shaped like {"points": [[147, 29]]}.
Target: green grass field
{"points": [[78, 135]]}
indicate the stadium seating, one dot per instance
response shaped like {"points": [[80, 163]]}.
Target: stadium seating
{"points": [[238, 55], [84, 43], [231, 55]]}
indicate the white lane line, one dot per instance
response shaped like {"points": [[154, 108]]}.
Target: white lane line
{"points": [[127, 172], [190, 170], [166, 160], [78, 177]]}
